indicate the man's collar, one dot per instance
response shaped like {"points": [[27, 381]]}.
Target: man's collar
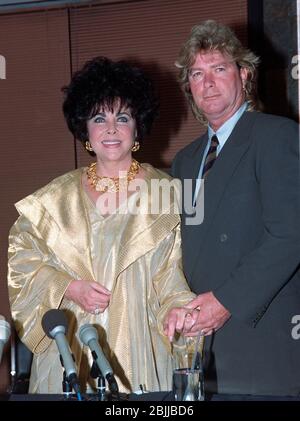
{"points": [[225, 130]]}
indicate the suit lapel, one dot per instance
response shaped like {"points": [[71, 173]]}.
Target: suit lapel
{"points": [[215, 186], [191, 165], [57, 210], [75, 229], [144, 231]]}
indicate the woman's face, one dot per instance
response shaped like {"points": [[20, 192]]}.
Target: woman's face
{"points": [[112, 134]]}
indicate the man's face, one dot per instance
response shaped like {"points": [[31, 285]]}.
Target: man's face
{"points": [[216, 84]]}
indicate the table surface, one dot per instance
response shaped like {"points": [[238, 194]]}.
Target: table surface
{"points": [[152, 396]]}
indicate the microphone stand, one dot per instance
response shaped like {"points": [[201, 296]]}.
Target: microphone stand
{"points": [[101, 387], [66, 386]]}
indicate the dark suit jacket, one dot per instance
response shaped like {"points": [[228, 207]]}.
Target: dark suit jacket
{"points": [[247, 251]]}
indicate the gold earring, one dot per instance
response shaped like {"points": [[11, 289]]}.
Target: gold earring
{"points": [[136, 146], [88, 146]]}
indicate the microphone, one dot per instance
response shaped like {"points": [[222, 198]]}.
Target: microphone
{"points": [[4, 334], [89, 336], [55, 325]]}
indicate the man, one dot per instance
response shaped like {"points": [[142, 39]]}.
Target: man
{"points": [[243, 259]]}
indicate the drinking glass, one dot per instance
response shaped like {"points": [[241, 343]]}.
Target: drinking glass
{"points": [[188, 384]]}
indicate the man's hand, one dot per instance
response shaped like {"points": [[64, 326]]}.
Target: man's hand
{"points": [[90, 296], [212, 316]]}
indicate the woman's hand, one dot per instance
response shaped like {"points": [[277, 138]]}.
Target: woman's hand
{"points": [[179, 319], [90, 296]]}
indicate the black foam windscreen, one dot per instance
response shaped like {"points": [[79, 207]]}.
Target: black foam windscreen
{"points": [[53, 318]]}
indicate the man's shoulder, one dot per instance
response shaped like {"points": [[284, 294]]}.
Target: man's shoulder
{"points": [[268, 129], [271, 134], [270, 120]]}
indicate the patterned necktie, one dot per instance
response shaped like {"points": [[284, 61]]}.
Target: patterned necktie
{"points": [[211, 156]]}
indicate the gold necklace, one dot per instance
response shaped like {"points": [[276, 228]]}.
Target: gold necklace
{"points": [[111, 184]]}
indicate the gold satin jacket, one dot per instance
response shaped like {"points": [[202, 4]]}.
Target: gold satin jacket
{"points": [[49, 245]]}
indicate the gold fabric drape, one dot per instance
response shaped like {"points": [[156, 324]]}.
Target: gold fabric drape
{"points": [[50, 244]]}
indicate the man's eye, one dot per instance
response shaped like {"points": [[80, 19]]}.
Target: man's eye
{"points": [[220, 69], [196, 75]]}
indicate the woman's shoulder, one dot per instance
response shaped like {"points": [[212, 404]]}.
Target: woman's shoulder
{"points": [[61, 181], [160, 182], [57, 186]]}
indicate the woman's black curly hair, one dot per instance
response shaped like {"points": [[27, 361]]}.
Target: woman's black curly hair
{"points": [[102, 82]]}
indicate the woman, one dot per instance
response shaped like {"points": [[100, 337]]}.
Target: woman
{"points": [[77, 246]]}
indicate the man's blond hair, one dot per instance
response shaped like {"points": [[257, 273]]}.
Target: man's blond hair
{"points": [[209, 36]]}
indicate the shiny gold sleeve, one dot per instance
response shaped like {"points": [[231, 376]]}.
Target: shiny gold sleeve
{"points": [[36, 283], [170, 283]]}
